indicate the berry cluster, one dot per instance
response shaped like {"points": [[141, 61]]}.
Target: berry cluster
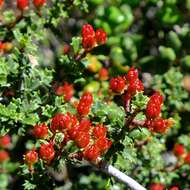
{"points": [[159, 186], [180, 152], [91, 38], [65, 90], [129, 85], [5, 142], [90, 140], [154, 122], [24, 4]]}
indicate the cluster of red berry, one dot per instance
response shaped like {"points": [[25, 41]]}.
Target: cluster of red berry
{"points": [[91, 38], [5, 142], [24, 4], [65, 90], [129, 84], [160, 186], [91, 140], [180, 152], [154, 122]]}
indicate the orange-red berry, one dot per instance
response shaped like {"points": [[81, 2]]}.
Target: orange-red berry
{"points": [[5, 141], [179, 149], [4, 156], [187, 158], [39, 3], [99, 131], [22, 4], [101, 36], [47, 152], [40, 131], [91, 153], [157, 186], [31, 157], [117, 84]]}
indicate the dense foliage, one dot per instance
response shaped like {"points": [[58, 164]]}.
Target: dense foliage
{"points": [[85, 82]]}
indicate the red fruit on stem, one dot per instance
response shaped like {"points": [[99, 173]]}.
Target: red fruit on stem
{"points": [[179, 149], [91, 153], [83, 109], [103, 144], [187, 158], [67, 90], [132, 74], [117, 84], [99, 131], [47, 152], [101, 36], [39, 3], [31, 157], [22, 4], [85, 125], [82, 139], [87, 30], [157, 186], [88, 42], [5, 141], [40, 131], [160, 125], [103, 74], [4, 156], [73, 132], [87, 98], [134, 87]]}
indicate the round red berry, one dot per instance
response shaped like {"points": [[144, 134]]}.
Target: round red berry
{"points": [[99, 131], [4, 156], [101, 36], [31, 157], [87, 30], [103, 144], [1, 3], [5, 141], [132, 74], [88, 42], [87, 98], [117, 84], [134, 87], [103, 74], [82, 139], [91, 153], [47, 152], [22, 4], [85, 125], [187, 158], [40, 131], [160, 125], [157, 186], [83, 109], [179, 149], [39, 3]]}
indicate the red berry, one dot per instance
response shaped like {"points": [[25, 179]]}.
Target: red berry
{"points": [[187, 158], [4, 156], [5, 141], [157, 186], [31, 157], [82, 139], [117, 84], [99, 131], [174, 188], [153, 108], [83, 109], [39, 3], [88, 42], [22, 4], [101, 36], [103, 144], [87, 30], [179, 149], [85, 125], [135, 86], [149, 124], [91, 153], [103, 74], [160, 125], [87, 98], [73, 132], [47, 152], [132, 74], [60, 122], [40, 131], [2, 46], [67, 90], [1, 4]]}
